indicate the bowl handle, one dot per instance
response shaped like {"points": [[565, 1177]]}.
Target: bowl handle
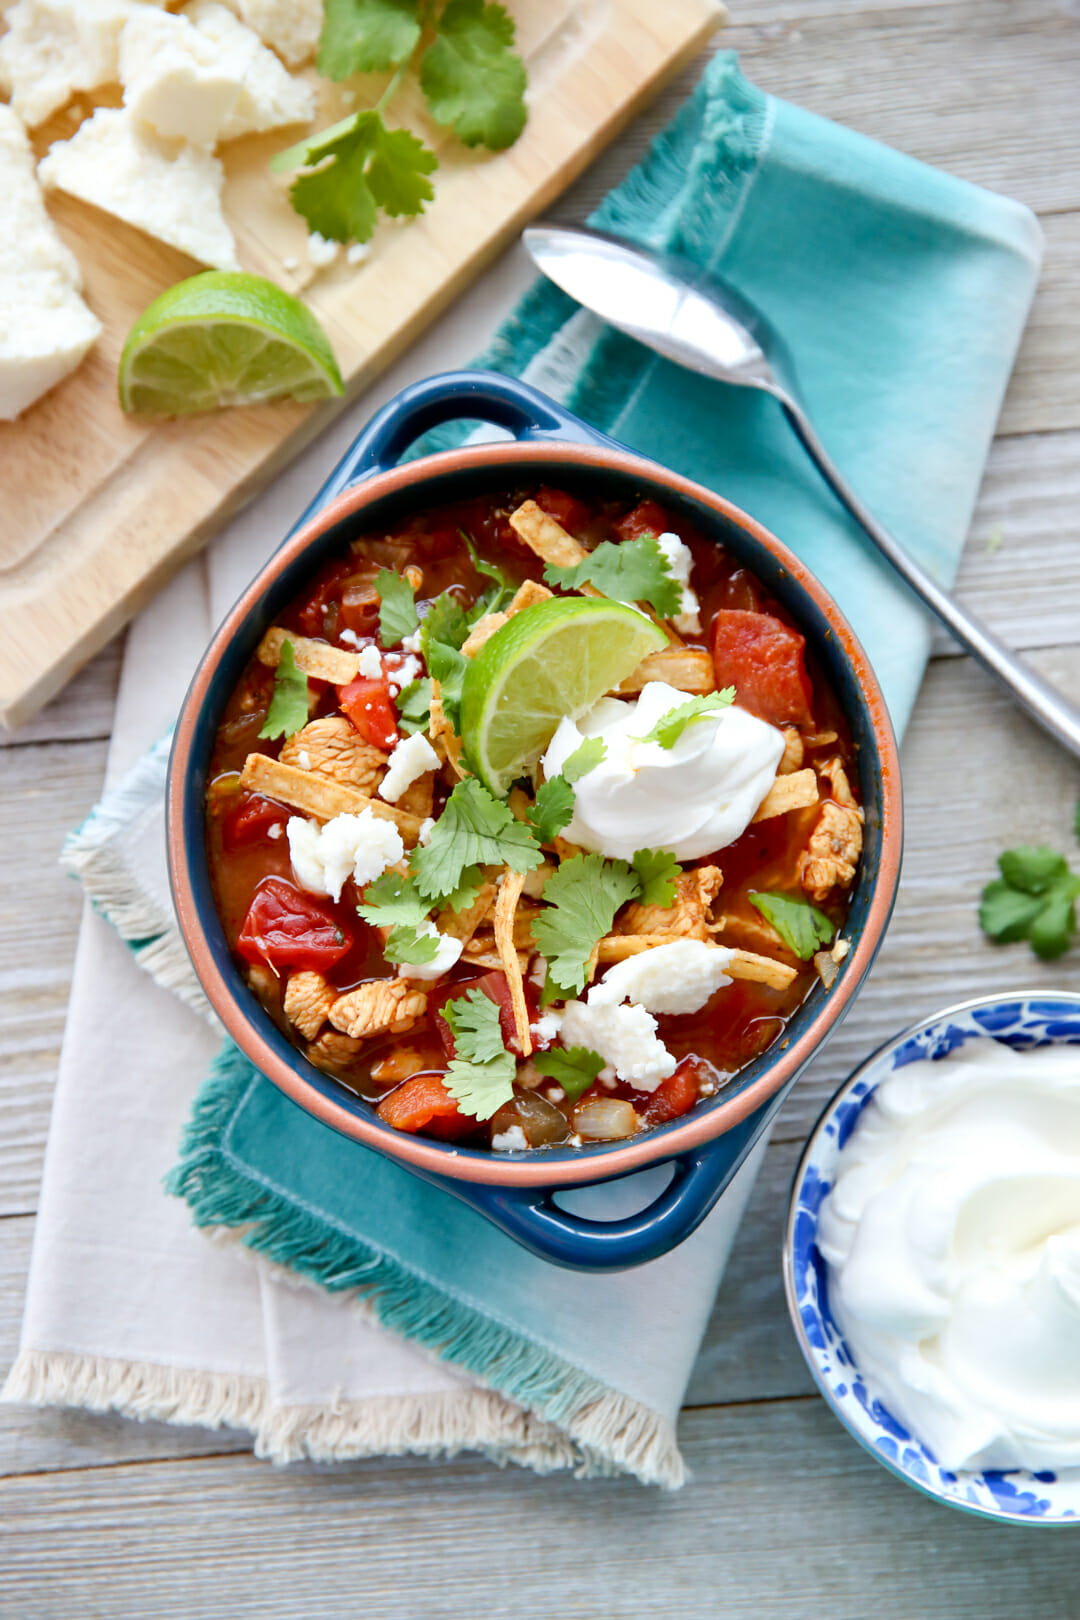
{"points": [[533, 1219], [484, 396]]}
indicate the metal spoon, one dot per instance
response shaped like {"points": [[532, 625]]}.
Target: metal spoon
{"points": [[708, 327]]}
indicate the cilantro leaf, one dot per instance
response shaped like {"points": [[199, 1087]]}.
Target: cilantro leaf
{"points": [[471, 77], [443, 631], [366, 36], [670, 727], [288, 711], [393, 899], [407, 944], [414, 706], [583, 894], [656, 870], [584, 759], [552, 810], [487, 571], [468, 890], [572, 1067], [1034, 899], [801, 926], [397, 607], [631, 571], [473, 830], [480, 1076], [372, 167]]}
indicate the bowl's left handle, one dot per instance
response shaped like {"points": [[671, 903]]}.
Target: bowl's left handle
{"points": [[480, 396]]}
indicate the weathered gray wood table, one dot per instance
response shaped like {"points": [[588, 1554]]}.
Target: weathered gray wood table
{"points": [[785, 1515]]}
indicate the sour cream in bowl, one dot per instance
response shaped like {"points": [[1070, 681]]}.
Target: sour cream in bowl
{"points": [[932, 1257]]}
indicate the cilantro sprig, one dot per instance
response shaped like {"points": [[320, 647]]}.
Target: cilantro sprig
{"points": [[802, 927], [553, 808], [471, 78], [397, 607], [474, 829], [656, 871], [632, 571], [1034, 899], [480, 1076], [288, 711], [575, 1068], [583, 896], [414, 706], [670, 727]]}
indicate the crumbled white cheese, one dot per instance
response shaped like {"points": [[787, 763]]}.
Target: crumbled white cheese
{"points": [[54, 47], [290, 27], [512, 1140], [556, 1094], [680, 561], [449, 949], [275, 829], [175, 80], [625, 1038], [411, 644], [407, 670], [45, 328], [546, 1029], [413, 757], [292, 264], [427, 827], [268, 95], [360, 847], [357, 252], [303, 759], [321, 251], [678, 977], [370, 664], [170, 190]]}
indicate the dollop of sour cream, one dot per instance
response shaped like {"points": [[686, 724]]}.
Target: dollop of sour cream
{"points": [[691, 799], [952, 1238]]}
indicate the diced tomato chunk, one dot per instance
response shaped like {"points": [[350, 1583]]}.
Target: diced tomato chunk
{"points": [[249, 821], [423, 1103], [290, 929], [648, 517], [674, 1096], [369, 706], [764, 659], [563, 507], [360, 609], [318, 616]]}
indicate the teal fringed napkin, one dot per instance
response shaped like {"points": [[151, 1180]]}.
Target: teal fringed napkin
{"points": [[903, 293]]}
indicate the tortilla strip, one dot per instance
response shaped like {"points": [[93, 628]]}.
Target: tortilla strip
{"points": [[547, 538], [688, 669], [315, 658], [792, 792], [510, 888], [528, 593], [317, 796], [743, 964], [463, 924]]}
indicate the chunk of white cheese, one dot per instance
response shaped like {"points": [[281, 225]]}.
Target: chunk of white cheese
{"points": [[413, 757], [369, 664], [174, 79], [446, 954], [290, 27], [360, 847], [45, 328], [268, 96], [169, 189], [54, 47], [676, 978], [625, 1038], [512, 1140], [321, 250], [680, 561]]}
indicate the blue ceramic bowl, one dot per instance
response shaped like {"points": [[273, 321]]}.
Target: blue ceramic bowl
{"points": [[1022, 1021]]}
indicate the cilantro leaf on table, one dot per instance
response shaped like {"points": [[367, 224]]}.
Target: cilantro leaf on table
{"points": [[414, 706], [573, 1067], [480, 1076], [366, 36], [631, 571], [288, 711], [1034, 899], [406, 944], [474, 829], [393, 899], [656, 871], [397, 607], [372, 167], [670, 727], [801, 926], [583, 896], [554, 805], [471, 77]]}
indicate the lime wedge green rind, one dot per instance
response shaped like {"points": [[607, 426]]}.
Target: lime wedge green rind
{"points": [[552, 660], [224, 338]]}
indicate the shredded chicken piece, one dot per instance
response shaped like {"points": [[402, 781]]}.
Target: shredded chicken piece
{"points": [[797, 791], [318, 796], [794, 752], [308, 999], [381, 1007], [832, 854], [315, 658], [688, 669], [333, 1050], [333, 747], [688, 918], [263, 980]]}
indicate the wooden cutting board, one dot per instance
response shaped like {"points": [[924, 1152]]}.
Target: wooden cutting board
{"points": [[97, 510]]}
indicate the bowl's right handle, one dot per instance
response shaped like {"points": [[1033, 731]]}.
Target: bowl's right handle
{"points": [[452, 396]]}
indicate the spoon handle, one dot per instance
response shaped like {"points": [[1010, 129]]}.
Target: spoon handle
{"points": [[1042, 701]]}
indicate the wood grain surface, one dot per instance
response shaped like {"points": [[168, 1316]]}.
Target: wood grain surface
{"points": [[785, 1518]]}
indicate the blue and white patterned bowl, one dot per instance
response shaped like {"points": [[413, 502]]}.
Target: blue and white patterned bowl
{"points": [[1022, 1021]]}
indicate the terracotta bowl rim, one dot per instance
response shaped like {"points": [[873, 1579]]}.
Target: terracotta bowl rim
{"points": [[433, 1158]]}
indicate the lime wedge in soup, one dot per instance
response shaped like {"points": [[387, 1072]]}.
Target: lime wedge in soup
{"points": [[551, 660], [224, 338]]}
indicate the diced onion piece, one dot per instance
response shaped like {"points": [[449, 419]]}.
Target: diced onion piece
{"points": [[827, 967], [605, 1119], [543, 1124]]}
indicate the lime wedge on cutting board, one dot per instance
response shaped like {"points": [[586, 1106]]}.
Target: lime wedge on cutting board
{"points": [[224, 338], [553, 659]]}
